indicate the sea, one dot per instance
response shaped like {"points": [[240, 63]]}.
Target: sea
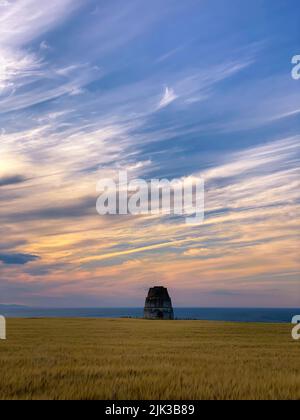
{"points": [[260, 315]]}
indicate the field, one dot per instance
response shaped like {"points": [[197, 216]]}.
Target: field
{"points": [[137, 359]]}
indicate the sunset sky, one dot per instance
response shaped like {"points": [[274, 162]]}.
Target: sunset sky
{"points": [[162, 89]]}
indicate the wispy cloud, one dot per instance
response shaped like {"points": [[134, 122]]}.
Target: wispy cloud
{"points": [[23, 21], [273, 156], [16, 69], [168, 97]]}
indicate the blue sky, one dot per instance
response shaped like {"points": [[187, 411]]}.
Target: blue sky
{"points": [[161, 89]]}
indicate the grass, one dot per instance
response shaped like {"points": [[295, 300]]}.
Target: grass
{"points": [[137, 359]]}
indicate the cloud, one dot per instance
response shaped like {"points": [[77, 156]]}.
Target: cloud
{"points": [[198, 85], [273, 156], [170, 54], [23, 21], [4, 3], [16, 68], [17, 259], [197, 253], [168, 97], [12, 180], [44, 46], [78, 209]]}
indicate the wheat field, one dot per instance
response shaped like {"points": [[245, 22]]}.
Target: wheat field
{"points": [[138, 359]]}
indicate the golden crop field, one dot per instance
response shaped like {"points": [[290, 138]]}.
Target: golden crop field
{"points": [[138, 359]]}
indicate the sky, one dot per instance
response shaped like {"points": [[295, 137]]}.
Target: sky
{"points": [[161, 89]]}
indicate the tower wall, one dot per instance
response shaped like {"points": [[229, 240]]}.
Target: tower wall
{"points": [[158, 304]]}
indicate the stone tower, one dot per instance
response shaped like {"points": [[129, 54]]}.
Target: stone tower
{"points": [[158, 304]]}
